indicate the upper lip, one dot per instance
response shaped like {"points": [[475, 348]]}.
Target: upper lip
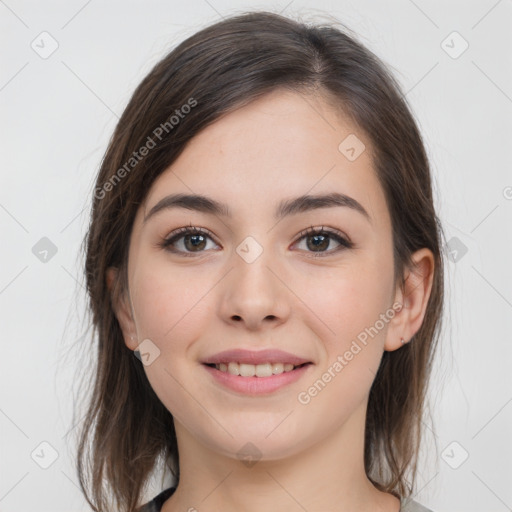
{"points": [[255, 357]]}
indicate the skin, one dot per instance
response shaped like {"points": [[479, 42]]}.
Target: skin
{"points": [[278, 147]]}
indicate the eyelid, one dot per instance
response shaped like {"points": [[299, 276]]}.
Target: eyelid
{"points": [[190, 228], [312, 230]]}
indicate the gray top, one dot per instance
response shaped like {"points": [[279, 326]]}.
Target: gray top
{"points": [[409, 505], [155, 505]]}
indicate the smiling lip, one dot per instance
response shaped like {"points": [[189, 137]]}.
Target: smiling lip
{"points": [[257, 385], [255, 357]]}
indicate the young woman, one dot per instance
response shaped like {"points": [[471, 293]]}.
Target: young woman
{"points": [[266, 281]]}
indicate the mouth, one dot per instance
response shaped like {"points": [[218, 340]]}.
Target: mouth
{"points": [[255, 370], [256, 380]]}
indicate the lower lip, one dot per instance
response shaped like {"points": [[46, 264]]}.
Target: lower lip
{"points": [[257, 385]]}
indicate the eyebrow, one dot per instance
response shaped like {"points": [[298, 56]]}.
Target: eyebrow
{"points": [[285, 208]]}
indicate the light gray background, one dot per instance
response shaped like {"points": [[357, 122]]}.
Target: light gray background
{"points": [[57, 116]]}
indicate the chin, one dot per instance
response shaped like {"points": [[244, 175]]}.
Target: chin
{"points": [[250, 444]]}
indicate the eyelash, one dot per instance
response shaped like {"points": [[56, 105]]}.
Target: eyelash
{"points": [[167, 243]]}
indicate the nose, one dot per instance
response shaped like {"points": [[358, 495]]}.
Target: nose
{"points": [[254, 294]]}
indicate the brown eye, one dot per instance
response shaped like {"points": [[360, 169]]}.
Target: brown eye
{"points": [[194, 241], [318, 240], [187, 240]]}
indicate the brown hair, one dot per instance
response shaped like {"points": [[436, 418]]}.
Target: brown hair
{"points": [[127, 429]]}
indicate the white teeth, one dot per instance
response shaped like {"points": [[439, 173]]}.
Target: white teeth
{"points": [[277, 368], [247, 370], [250, 370], [234, 368], [264, 370]]}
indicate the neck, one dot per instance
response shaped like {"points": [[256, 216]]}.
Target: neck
{"points": [[329, 475]]}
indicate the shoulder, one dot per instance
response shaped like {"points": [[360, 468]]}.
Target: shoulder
{"points": [[155, 505], [409, 505]]}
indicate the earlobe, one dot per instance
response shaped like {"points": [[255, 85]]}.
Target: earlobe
{"points": [[413, 300], [121, 309]]}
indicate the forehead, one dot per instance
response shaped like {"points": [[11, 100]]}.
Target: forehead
{"points": [[282, 145]]}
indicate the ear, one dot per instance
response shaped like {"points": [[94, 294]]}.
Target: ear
{"points": [[412, 299], [122, 310]]}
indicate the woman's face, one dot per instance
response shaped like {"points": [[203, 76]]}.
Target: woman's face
{"points": [[254, 280]]}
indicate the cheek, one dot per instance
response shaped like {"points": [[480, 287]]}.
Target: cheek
{"points": [[167, 303], [170, 312], [348, 310], [346, 302]]}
